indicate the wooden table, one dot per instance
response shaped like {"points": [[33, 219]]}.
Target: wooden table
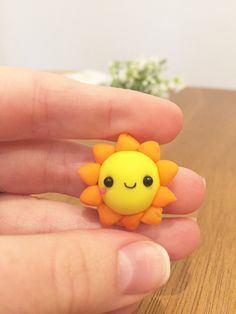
{"points": [[206, 281]]}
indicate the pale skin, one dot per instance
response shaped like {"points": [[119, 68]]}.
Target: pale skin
{"points": [[56, 265]]}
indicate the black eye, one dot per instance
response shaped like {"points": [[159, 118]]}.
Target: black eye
{"points": [[147, 181], [108, 181]]}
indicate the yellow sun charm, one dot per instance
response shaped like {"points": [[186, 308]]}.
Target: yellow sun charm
{"points": [[127, 183]]}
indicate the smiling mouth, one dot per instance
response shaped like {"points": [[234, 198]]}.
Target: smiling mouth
{"points": [[130, 187]]}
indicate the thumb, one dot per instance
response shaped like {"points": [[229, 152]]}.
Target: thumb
{"points": [[93, 271]]}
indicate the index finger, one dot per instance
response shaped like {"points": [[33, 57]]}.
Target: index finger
{"points": [[45, 105]]}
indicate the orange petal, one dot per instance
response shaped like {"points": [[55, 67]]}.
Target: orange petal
{"points": [[89, 173], [131, 222], [107, 216], [163, 197], [167, 171], [91, 196], [152, 216], [151, 149], [102, 151], [126, 142]]}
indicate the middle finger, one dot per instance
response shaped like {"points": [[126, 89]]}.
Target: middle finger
{"points": [[28, 215], [30, 167]]}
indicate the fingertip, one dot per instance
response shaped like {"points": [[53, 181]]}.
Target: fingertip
{"points": [[143, 267], [175, 121], [179, 236], [189, 188], [166, 121], [146, 117], [189, 241]]}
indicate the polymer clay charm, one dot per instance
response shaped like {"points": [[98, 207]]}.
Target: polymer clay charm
{"points": [[127, 183]]}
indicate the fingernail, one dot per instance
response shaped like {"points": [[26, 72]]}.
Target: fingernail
{"points": [[142, 267], [204, 181]]}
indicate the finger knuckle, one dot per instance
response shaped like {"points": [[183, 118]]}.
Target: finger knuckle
{"points": [[70, 279], [39, 113]]}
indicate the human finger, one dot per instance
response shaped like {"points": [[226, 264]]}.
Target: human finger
{"points": [[45, 105], [52, 166], [27, 215], [93, 271]]}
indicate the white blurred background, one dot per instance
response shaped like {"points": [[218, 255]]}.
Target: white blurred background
{"points": [[198, 37]]}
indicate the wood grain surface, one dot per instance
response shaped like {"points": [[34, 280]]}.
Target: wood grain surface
{"points": [[206, 281]]}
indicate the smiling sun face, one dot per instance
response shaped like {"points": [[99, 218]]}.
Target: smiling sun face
{"points": [[130, 181], [127, 182]]}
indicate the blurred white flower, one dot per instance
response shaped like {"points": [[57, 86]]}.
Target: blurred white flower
{"points": [[122, 75], [144, 75]]}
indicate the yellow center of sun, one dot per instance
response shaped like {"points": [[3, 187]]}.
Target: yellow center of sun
{"points": [[127, 189]]}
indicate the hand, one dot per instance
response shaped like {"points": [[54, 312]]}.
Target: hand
{"points": [[55, 257]]}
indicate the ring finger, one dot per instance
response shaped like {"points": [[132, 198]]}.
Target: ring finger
{"points": [[30, 167]]}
